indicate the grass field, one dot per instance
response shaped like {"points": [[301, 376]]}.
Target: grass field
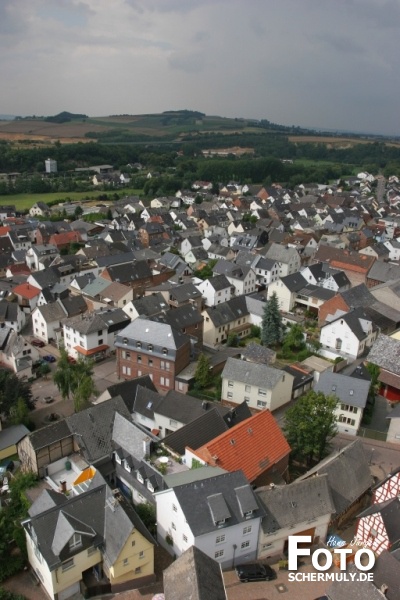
{"points": [[25, 201]]}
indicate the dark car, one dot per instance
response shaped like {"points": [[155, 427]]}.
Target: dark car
{"points": [[49, 358], [38, 343], [255, 572]]}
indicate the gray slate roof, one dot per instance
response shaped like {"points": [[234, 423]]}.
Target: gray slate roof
{"points": [[216, 497], [287, 505], [348, 473], [196, 433], [12, 435], [251, 373], [349, 390], [385, 353], [194, 576], [151, 332]]}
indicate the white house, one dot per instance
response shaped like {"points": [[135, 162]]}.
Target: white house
{"points": [[259, 385], [266, 270], [218, 512], [352, 395], [300, 508], [288, 259], [215, 290], [47, 320], [242, 278], [286, 289], [348, 334]]}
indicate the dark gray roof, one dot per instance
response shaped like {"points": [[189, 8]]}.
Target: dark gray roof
{"points": [[150, 305], [259, 354], [385, 353], [196, 433], [215, 499], [390, 514], [128, 389], [183, 316], [93, 427], [146, 401], [387, 572], [130, 436], [194, 576], [229, 311], [349, 476], [288, 505], [152, 332], [358, 296], [352, 319], [294, 282], [50, 434], [219, 282], [12, 435], [349, 390], [256, 374], [46, 500], [184, 292]]}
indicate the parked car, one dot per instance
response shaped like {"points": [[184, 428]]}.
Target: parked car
{"points": [[5, 465], [49, 358], [255, 572], [38, 343], [48, 399]]}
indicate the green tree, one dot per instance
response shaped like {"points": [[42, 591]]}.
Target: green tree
{"points": [[19, 414], [147, 513], [44, 369], [202, 375], [232, 340], [310, 425], [271, 325], [75, 379], [78, 212], [374, 371], [294, 338], [11, 389]]}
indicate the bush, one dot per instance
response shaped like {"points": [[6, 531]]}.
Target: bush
{"points": [[10, 567], [255, 331]]}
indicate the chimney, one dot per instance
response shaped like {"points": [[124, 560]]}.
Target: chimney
{"points": [[384, 588]]}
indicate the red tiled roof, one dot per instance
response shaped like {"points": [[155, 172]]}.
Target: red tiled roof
{"points": [[58, 239], [19, 268], [4, 231], [26, 290], [254, 446]]}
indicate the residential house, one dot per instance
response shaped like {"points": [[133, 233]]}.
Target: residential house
{"points": [[266, 270], [186, 319], [40, 209], [356, 266], [231, 317], [215, 290], [9, 439], [300, 508], [388, 488], [393, 433], [96, 532], [226, 521], [258, 354], [349, 335], [286, 290], [39, 257], [262, 458], [27, 297], [93, 334], [152, 348], [242, 278], [352, 395], [16, 353], [11, 315], [349, 479], [288, 258], [378, 526], [259, 385], [322, 275]]}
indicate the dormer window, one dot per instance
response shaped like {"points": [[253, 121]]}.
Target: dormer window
{"points": [[75, 541], [220, 523], [248, 514], [125, 340], [138, 344], [127, 466], [150, 486], [150, 347], [117, 458], [164, 351], [139, 477]]}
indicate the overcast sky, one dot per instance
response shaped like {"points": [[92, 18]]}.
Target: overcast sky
{"points": [[313, 63]]}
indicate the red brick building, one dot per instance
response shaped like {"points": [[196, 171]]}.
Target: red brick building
{"points": [[152, 348]]}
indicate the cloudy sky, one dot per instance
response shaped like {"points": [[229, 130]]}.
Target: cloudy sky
{"points": [[313, 63]]}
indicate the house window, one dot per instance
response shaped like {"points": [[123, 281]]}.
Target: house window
{"points": [[173, 423], [247, 388], [138, 344], [173, 526], [245, 545], [174, 508], [125, 562], [165, 351], [150, 347], [133, 543], [124, 354], [184, 537], [150, 362], [75, 541], [125, 340], [261, 404], [338, 344], [100, 341], [262, 392], [219, 554], [68, 564], [139, 477], [220, 539], [247, 399], [230, 383], [230, 395], [139, 358], [138, 570], [247, 529], [141, 554]]}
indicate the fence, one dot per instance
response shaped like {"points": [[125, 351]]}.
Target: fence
{"points": [[372, 434]]}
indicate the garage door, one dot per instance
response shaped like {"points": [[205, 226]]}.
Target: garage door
{"points": [[302, 545], [69, 591]]}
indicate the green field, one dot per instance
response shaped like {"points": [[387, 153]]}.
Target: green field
{"points": [[25, 201]]}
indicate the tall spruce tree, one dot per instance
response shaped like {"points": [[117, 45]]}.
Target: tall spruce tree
{"points": [[271, 326]]}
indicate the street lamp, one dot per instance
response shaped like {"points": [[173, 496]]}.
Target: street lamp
{"points": [[370, 458], [234, 550]]}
